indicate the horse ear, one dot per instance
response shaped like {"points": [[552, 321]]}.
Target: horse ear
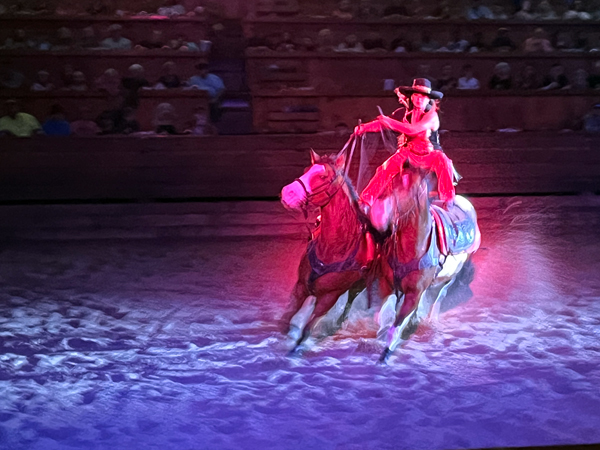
{"points": [[340, 159], [314, 158]]}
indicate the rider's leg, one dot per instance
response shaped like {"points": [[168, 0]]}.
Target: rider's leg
{"points": [[388, 170]]}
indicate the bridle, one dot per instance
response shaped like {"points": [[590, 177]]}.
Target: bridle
{"points": [[322, 194]]}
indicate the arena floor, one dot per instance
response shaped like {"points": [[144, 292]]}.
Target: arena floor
{"points": [[174, 344]]}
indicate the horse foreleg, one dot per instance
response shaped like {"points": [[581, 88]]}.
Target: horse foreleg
{"points": [[413, 286], [324, 303], [298, 297]]}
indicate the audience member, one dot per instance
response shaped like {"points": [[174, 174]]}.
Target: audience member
{"points": [[84, 126], [286, 43], [88, 39], [502, 42], [116, 41], [401, 45], [64, 40], [181, 43], [350, 44], [499, 12], [201, 125], [396, 9], [164, 119], [457, 43], [56, 124], [447, 81], [374, 43], [424, 71], [580, 42], [580, 80], [109, 82], [125, 121], [468, 80], [368, 9], [537, 42], [594, 78], [442, 11], [576, 11], [477, 44], [306, 44], [325, 40], [132, 83], [19, 41], [66, 76], [18, 124], [344, 10], [171, 9], [478, 10], [528, 78], [155, 42], [428, 44], [544, 11], [100, 8], [591, 121], [502, 78], [213, 85], [42, 83], [169, 79], [79, 83], [556, 79], [525, 13], [562, 41], [106, 122]]}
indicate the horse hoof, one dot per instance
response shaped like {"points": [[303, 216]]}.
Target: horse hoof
{"points": [[383, 359]]}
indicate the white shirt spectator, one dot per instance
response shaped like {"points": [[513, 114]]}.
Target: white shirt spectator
{"points": [[468, 83], [175, 10]]}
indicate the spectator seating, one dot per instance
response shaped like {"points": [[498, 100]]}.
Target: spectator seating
{"points": [[186, 103], [136, 29]]}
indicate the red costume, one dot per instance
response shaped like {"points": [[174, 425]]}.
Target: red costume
{"points": [[419, 152]]}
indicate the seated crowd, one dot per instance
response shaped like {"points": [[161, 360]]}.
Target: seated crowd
{"points": [[159, 8], [501, 42], [525, 10], [503, 78], [87, 38], [126, 89]]}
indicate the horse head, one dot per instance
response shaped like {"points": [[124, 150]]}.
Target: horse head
{"points": [[321, 180]]}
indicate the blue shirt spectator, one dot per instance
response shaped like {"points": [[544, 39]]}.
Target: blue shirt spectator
{"points": [[207, 82], [56, 124]]}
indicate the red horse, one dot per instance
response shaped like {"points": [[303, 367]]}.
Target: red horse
{"points": [[340, 252], [427, 248]]}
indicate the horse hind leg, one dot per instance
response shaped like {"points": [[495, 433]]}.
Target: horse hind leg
{"points": [[387, 314]]}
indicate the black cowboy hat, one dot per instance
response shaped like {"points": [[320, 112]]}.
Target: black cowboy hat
{"points": [[420, 86]]}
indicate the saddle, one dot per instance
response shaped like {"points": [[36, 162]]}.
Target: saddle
{"points": [[456, 230]]}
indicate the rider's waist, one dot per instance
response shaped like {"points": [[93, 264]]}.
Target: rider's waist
{"points": [[418, 146]]}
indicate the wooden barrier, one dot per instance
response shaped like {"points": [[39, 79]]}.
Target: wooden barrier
{"points": [[184, 102], [352, 73], [460, 111], [246, 167]]}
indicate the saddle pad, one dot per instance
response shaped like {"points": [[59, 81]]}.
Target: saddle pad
{"points": [[456, 230]]}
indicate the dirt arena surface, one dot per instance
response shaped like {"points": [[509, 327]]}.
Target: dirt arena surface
{"points": [[174, 344]]}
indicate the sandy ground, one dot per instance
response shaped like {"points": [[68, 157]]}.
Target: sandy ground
{"points": [[174, 345]]}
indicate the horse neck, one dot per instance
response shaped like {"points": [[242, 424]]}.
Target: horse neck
{"points": [[339, 227], [413, 231]]}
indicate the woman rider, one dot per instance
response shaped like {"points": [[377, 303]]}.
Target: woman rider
{"points": [[418, 143]]}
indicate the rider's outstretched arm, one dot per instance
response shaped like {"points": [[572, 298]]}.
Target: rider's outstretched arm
{"points": [[369, 127]]}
